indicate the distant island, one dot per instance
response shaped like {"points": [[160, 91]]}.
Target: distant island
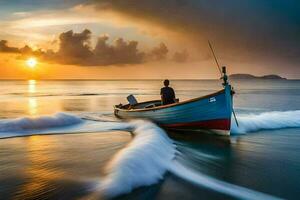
{"points": [[250, 76]]}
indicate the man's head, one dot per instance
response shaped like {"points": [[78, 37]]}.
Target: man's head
{"points": [[166, 82]]}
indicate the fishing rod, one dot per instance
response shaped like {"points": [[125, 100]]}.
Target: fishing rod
{"points": [[216, 60], [225, 81]]}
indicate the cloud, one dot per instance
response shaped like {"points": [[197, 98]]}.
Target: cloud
{"points": [[254, 31], [180, 56], [159, 53], [6, 49], [76, 49], [24, 51], [121, 52]]}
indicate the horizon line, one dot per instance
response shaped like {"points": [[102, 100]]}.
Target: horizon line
{"points": [[146, 79]]}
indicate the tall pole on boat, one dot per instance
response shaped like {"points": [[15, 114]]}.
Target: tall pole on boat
{"points": [[223, 76], [216, 60]]}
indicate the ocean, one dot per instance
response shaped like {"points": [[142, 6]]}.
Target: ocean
{"points": [[60, 140]]}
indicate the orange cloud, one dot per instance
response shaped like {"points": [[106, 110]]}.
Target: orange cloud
{"points": [[76, 49]]}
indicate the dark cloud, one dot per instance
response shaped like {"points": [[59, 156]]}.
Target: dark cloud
{"points": [[181, 56], [6, 49], [159, 53], [26, 50], [252, 30], [118, 53], [76, 49]]}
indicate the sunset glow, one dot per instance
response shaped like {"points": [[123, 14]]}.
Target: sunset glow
{"points": [[31, 62], [114, 40], [125, 99]]}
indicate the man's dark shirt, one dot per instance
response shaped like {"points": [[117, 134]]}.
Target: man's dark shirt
{"points": [[167, 95]]}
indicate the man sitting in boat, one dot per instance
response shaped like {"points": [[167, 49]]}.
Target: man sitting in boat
{"points": [[167, 94]]}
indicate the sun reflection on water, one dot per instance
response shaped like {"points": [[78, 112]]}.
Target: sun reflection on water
{"points": [[32, 101], [32, 106], [31, 86]]}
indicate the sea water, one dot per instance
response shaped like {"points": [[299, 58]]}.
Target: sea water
{"points": [[60, 140]]}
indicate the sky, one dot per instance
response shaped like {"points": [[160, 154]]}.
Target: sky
{"points": [[142, 39]]}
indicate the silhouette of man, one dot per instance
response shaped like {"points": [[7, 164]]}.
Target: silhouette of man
{"points": [[167, 94]]}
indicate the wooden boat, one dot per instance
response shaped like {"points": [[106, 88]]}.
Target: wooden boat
{"points": [[210, 113]]}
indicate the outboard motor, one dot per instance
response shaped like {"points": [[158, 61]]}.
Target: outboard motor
{"points": [[132, 100]]}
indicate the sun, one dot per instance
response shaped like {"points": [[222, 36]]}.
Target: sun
{"points": [[31, 62]]}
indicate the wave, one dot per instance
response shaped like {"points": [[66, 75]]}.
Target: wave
{"points": [[148, 157], [43, 122], [61, 123], [151, 153], [217, 185], [266, 121], [143, 162]]}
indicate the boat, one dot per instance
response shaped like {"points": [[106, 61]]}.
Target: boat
{"points": [[211, 113]]}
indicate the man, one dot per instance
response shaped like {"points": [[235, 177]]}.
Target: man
{"points": [[167, 94]]}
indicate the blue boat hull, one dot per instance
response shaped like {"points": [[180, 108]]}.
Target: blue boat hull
{"points": [[209, 113]]}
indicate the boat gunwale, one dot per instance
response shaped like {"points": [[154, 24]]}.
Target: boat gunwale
{"points": [[169, 105]]}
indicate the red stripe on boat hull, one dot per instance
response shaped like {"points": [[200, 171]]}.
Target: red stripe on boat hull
{"points": [[218, 124]]}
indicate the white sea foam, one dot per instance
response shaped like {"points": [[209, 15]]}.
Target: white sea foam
{"points": [[211, 183], [266, 121], [43, 122], [148, 157], [143, 162], [60, 123]]}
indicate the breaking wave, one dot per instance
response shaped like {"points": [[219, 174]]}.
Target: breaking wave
{"points": [[151, 153], [205, 181], [266, 121], [43, 122], [143, 162], [148, 157], [60, 123]]}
